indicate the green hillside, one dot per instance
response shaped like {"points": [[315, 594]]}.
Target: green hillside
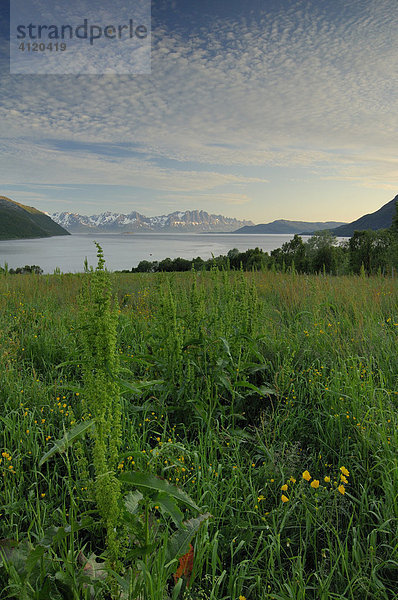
{"points": [[18, 221], [380, 219]]}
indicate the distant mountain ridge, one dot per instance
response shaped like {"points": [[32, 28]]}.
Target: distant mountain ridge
{"points": [[179, 221], [283, 226], [18, 221], [380, 219]]}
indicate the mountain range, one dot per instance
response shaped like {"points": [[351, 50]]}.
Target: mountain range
{"points": [[186, 221], [18, 221], [380, 219], [282, 226]]}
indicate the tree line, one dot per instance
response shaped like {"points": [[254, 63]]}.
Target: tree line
{"points": [[21, 270], [366, 252]]}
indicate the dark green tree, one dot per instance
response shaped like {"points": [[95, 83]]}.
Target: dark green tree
{"points": [[321, 252]]}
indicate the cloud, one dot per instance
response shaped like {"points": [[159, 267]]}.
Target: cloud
{"points": [[371, 171], [45, 164], [96, 21], [299, 86]]}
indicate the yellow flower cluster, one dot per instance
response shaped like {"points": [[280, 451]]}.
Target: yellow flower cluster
{"points": [[285, 488], [344, 473], [7, 457], [343, 477]]}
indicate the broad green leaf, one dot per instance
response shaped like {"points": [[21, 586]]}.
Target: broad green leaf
{"points": [[254, 368], [168, 506], [69, 436], [132, 500], [140, 551], [124, 582], [157, 484], [265, 391], [49, 590], [91, 567], [34, 556], [54, 535], [178, 544], [226, 347], [226, 383], [137, 360], [262, 390], [242, 433], [7, 549], [139, 386], [177, 589]]}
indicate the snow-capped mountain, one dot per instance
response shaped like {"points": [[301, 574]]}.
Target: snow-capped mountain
{"points": [[107, 222]]}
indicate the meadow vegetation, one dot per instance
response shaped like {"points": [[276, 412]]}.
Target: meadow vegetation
{"points": [[219, 435]]}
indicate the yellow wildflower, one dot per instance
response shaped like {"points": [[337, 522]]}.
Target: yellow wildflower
{"points": [[306, 476], [343, 479], [315, 484], [341, 489], [344, 471], [326, 479], [284, 488], [284, 499]]}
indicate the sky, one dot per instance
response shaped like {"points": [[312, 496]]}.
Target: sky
{"points": [[259, 110]]}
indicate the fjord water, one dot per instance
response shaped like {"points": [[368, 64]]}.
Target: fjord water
{"points": [[124, 251]]}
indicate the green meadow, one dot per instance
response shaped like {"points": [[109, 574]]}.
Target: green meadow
{"points": [[212, 435]]}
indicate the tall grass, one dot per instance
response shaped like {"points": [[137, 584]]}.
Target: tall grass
{"points": [[259, 378]]}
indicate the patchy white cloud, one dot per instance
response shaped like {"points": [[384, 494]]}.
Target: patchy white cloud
{"points": [[45, 164], [86, 36], [295, 88], [378, 171]]}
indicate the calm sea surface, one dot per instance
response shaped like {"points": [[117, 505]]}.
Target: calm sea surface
{"points": [[123, 251]]}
